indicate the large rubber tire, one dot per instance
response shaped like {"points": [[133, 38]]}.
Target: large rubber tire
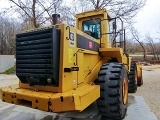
{"points": [[113, 100], [132, 76], [140, 79]]}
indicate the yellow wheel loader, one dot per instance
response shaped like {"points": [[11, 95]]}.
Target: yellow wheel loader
{"points": [[65, 68]]}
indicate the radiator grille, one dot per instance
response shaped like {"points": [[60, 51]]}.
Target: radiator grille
{"points": [[37, 56]]}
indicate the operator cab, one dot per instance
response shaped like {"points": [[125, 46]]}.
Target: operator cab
{"points": [[91, 22], [105, 30], [92, 27]]}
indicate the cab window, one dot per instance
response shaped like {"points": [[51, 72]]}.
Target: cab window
{"points": [[92, 27]]}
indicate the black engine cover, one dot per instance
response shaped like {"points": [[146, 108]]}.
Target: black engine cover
{"points": [[38, 56]]}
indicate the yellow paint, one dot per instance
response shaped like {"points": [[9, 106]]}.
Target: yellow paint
{"points": [[70, 55], [125, 90], [139, 69], [71, 100]]}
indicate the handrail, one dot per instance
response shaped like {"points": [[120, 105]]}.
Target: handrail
{"points": [[120, 32]]}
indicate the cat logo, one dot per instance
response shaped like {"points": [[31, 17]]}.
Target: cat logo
{"points": [[71, 40]]}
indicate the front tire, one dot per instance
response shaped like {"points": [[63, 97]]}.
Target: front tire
{"points": [[113, 82], [132, 76]]}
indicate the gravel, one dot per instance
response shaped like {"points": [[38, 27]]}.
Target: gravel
{"points": [[150, 91]]}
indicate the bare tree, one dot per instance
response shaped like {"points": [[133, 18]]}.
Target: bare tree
{"points": [[77, 6], [36, 12], [151, 42], [8, 29], [125, 9], [68, 16], [136, 37]]}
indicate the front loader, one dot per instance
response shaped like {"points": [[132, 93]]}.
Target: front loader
{"points": [[65, 68]]}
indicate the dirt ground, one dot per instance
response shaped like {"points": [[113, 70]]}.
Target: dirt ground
{"points": [[6, 80], [150, 91]]}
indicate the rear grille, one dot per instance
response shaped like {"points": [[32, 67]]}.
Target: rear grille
{"points": [[37, 56]]}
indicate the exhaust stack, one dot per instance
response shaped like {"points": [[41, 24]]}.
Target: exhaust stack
{"points": [[56, 19]]}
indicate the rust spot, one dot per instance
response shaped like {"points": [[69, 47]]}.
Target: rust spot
{"points": [[49, 103], [61, 98], [36, 101]]}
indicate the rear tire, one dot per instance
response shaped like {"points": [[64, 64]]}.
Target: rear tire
{"points": [[113, 82], [132, 76]]}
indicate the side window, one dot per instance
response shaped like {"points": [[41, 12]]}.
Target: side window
{"points": [[92, 27]]}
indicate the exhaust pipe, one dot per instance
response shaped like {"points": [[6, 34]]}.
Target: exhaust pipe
{"points": [[56, 19]]}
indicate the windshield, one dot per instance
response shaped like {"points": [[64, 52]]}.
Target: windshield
{"points": [[92, 27]]}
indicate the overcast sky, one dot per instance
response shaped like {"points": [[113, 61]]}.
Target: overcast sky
{"points": [[147, 20]]}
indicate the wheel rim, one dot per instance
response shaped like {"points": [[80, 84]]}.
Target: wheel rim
{"points": [[125, 91]]}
